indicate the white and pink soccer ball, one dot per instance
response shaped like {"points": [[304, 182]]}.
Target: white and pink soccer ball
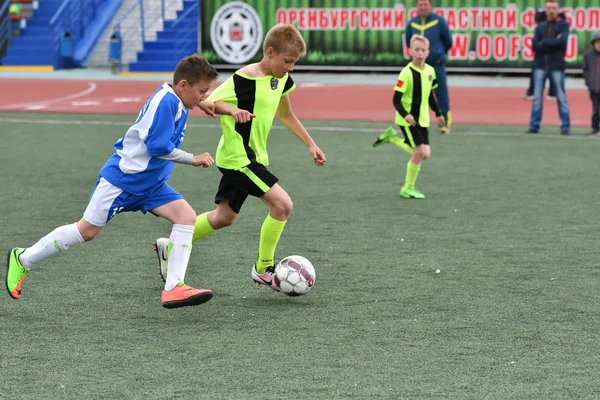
{"points": [[294, 276]]}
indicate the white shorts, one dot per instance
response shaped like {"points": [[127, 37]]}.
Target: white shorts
{"points": [[108, 200], [101, 203]]}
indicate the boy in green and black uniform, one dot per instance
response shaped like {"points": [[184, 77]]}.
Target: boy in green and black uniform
{"points": [[412, 99], [247, 103]]}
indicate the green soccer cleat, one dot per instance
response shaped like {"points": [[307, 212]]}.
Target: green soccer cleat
{"points": [[411, 193], [15, 273], [385, 137]]}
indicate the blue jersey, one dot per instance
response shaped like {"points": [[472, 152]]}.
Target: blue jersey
{"points": [[158, 130], [436, 30]]}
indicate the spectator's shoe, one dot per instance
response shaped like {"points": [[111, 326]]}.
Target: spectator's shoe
{"points": [[411, 193], [528, 97], [551, 98], [445, 130], [385, 137], [161, 247], [565, 133], [15, 273], [594, 132], [531, 131], [183, 296]]}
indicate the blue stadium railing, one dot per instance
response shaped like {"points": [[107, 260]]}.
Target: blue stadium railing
{"points": [[140, 4], [122, 38], [78, 24], [187, 35], [5, 28]]}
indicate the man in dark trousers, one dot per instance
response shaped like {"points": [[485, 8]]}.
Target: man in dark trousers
{"points": [[550, 46], [435, 29], [591, 74]]}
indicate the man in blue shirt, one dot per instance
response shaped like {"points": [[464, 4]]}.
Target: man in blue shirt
{"points": [[550, 46], [135, 179], [434, 28]]}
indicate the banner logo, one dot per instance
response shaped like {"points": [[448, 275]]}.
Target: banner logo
{"points": [[236, 32]]}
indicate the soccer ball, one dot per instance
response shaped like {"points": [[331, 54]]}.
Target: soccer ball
{"points": [[294, 276]]}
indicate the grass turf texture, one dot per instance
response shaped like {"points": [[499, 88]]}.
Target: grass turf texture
{"points": [[510, 220]]}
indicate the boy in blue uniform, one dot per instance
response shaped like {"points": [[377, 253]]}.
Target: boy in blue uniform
{"points": [[135, 179], [436, 30]]}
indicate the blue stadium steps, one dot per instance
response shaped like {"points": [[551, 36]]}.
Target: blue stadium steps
{"points": [[36, 44], [177, 40], [39, 44]]}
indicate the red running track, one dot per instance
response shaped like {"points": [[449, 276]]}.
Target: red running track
{"points": [[310, 101]]}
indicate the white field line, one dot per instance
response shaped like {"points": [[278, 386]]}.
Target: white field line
{"points": [[308, 126], [91, 88]]}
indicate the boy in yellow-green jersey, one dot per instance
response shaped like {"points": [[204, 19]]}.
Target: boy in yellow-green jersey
{"points": [[413, 97], [247, 103]]}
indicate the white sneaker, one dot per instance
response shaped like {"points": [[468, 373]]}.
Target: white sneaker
{"points": [[161, 247], [266, 278]]}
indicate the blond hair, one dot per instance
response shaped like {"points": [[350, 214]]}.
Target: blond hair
{"points": [[419, 38], [284, 38]]}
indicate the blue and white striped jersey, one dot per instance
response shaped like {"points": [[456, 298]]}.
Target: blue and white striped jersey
{"points": [[158, 130]]}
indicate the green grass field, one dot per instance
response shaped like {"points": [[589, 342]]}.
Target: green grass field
{"points": [[511, 221]]}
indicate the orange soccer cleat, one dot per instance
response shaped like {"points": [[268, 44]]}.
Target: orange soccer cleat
{"points": [[183, 296]]}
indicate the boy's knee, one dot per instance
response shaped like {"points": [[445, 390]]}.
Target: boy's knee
{"points": [[288, 208], [284, 208], [188, 217], [223, 219], [88, 234], [227, 220], [423, 150], [184, 216]]}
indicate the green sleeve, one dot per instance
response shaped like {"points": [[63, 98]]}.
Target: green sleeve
{"points": [[404, 80], [225, 92]]}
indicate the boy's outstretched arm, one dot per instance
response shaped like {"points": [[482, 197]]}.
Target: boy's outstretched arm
{"points": [[433, 104], [290, 121], [208, 107], [179, 156], [240, 116], [158, 140], [397, 101]]}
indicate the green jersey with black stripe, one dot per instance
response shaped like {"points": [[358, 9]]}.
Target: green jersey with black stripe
{"points": [[416, 85], [242, 144]]}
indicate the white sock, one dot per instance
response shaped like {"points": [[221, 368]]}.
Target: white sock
{"points": [[58, 240], [181, 237]]}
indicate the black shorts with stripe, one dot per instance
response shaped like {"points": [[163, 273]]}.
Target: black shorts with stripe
{"points": [[415, 135], [254, 179]]}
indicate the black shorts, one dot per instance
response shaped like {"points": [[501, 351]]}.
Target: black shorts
{"points": [[415, 135], [235, 186]]}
